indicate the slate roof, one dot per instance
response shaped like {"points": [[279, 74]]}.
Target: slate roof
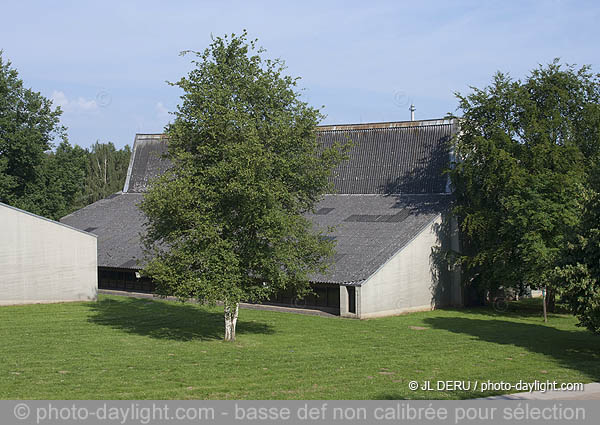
{"points": [[147, 161], [369, 229], [118, 223], [386, 158], [389, 158], [389, 190]]}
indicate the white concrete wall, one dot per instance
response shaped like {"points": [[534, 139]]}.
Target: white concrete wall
{"points": [[344, 303], [344, 312], [42, 261], [406, 282]]}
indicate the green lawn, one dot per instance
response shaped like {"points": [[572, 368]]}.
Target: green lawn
{"points": [[125, 348]]}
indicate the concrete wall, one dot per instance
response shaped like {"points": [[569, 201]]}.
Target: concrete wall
{"points": [[344, 301], [43, 261], [409, 281]]}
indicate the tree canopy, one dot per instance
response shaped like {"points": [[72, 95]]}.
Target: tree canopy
{"points": [[226, 222], [525, 157], [106, 170]]}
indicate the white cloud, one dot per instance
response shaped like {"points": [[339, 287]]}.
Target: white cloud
{"points": [[84, 104], [80, 104]]}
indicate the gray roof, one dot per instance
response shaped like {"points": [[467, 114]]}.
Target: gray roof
{"points": [[389, 158], [369, 229], [118, 223], [389, 190], [386, 158], [147, 161]]}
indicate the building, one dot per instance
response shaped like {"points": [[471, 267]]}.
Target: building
{"points": [[43, 261], [391, 213]]}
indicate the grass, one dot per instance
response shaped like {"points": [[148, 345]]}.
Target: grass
{"points": [[125, 348]]}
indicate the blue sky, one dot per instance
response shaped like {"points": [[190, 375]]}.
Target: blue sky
{"points": [[106, 63]]}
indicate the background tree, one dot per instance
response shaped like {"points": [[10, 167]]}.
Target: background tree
{"points": [[523, 159], [28, 125], [106, 170], [36, 176], [63, 184], [581, 271], [225, 223]]}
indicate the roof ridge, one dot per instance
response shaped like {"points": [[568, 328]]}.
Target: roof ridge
{"points": [[356, 126], [387, 124]]}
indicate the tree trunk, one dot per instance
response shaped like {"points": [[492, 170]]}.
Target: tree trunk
{"points": [[544, 296], [231, 315], [105, 169], [551, 300]]}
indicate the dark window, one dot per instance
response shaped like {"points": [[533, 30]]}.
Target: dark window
{"points": [[123, 280], [324, 296], [351, 299], [323, 211]]}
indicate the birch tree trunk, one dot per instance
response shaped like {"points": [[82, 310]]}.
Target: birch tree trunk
{"points": [[544, 303], [231, 315]]}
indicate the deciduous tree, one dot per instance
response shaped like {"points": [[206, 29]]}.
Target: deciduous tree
{"points": [[581, 275], [106, 170], [523, 159], [226, 222]]}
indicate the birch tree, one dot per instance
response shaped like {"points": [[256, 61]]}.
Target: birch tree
{"points": [[226, 223], [106, 170]]}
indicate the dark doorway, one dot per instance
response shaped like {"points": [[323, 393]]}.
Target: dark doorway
{"points": [[351, 299]]}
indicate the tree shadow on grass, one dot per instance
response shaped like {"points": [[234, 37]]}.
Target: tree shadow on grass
{"points": [[167, 320], [577, 350], [509, 310]]}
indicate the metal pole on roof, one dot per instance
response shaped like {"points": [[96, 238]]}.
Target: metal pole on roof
{"points": [[412, 112]]}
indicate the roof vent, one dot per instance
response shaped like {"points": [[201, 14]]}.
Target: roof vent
{"points": [[412, 112]]}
